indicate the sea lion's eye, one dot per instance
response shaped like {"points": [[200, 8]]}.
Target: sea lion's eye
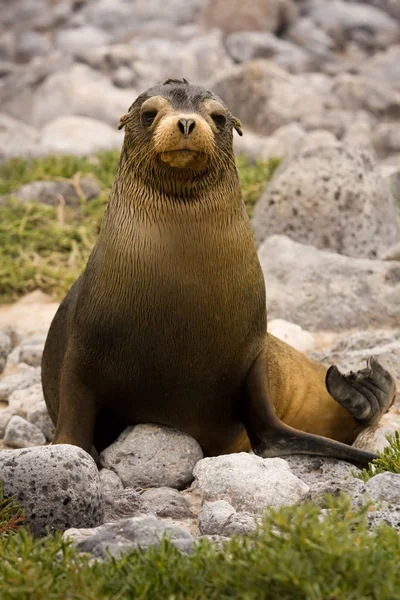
{"points": [[219, 119], [148, 117]]}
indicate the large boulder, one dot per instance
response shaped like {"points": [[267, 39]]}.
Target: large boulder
{"points": [[57, 486], [265, 97], [357, 92], [79, 135], [152, 456], [384, 66], [248, 482], [249, 15], [17, 138], [324, 291], [333, 198]]}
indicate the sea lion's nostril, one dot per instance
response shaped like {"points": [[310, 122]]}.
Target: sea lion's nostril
{"points": [[186, 126]]}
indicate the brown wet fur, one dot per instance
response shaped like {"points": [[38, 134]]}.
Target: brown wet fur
{"points": [[167, 323]]}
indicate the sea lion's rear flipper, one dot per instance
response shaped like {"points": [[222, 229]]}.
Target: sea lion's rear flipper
{"points": [[270, 437], [366, 394]]}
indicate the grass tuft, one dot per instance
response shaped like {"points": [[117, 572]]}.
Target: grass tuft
{"points": [[40, 250], [388, 460], [11, 515]]}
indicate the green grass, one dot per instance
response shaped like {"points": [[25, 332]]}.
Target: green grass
{"points": [[43, 249], [388, 461], [296, 554]]}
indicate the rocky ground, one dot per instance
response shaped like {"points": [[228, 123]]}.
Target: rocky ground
{"points": [[315, 82]]}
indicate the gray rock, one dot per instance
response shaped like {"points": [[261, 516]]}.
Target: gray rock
{"points": [[58, 486], [249, 483], [48, 192], [304, 32], [152, 456], [331, 197], [167, 502], [265, 97], [127, 535], [123, 77], [79, 135], [110, 482], [17, 139], [356, 92], [38, 415], [22, 400], [344, 21], [214, 516], [383, 67], [25, 378], [82, 91], [253, 15], [30, 44], [391, 7], [20, 433], [393, 253], [388, 516], [248, 45], [5, 349], [386, 139], [326, 476], [323, 291], [75, 39], [384, 487], [123, 504]]}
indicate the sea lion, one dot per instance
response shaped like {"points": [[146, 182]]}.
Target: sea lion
{"points": [[168, 321]]}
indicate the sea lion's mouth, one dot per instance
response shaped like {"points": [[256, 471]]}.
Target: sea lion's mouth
{"points": [[184, 158]]}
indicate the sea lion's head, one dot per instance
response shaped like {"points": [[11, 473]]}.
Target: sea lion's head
{"points": [[178, 126]]}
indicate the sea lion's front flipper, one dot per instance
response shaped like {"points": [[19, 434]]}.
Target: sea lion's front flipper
{"points": [[366, 394], [270, 437]]}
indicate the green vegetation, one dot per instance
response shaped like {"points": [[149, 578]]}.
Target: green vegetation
{"points": [[298, 552], [389, 459], [11, 515], [43, 249]]}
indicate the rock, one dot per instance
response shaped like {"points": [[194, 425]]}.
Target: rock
{"points": [[220, 518], [248, 45], [122, 19], [5, 349], [26, 377], [389, 516], [249, 15], [110, 482], [384, 67], [373, 439], [38, 415], [20, 433], [58, 486], [265, 97], [359, 93], [325, 476], [386, 139], [391, 7], [249, 483], [123, 77], [305, 33], [152, 456], [79, 135], [393, 253], [30, 44], [29, 351], [359, 136], [284, 141], [123, 504], [75, 39], [384, 487], [323, 291], [344, 21], [292, 334], [31, 315], [22, 400], [127, 535], [331, 197], [167, 502], [81, 91], [48, 192], [17, 139]]}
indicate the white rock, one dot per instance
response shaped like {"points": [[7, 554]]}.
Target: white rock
{"points": [[26, 377], [79, 135], [38, 415], [249, 483], [292, 334]]}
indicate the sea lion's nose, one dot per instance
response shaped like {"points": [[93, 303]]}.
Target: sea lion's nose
{"points": [[186, 126]]}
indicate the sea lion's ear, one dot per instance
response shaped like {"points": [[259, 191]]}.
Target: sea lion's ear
{"points": [[123, 120], [237, 124]]}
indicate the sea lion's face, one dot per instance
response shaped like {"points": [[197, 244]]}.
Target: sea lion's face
{"points": [[179, 125]]}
